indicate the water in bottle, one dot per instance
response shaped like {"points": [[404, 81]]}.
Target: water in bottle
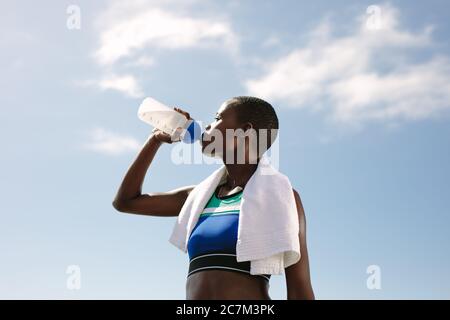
{"points": [[169, 121]]}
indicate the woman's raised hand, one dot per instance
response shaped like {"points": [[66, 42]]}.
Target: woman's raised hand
{"points": [[165, 137]]}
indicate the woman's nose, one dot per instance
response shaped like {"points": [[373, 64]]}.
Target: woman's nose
{"points": [[208, 127]]}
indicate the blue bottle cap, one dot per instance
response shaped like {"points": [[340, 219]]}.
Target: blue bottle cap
{"points": [[193, 132]]}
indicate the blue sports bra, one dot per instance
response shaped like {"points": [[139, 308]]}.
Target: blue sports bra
{"points": [[212, 242]]}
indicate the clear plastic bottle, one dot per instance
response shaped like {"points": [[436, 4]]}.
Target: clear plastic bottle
{"points": [[168, 120]]}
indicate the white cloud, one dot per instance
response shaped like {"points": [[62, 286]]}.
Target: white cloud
{"points": [[133, 33], [365, 75], [271, 41], [125, 83], [149, 25], [110, 143], [143, 61], [411, 93]]}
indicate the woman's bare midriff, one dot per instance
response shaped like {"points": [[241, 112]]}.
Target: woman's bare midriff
{"points": [[226, 285]]}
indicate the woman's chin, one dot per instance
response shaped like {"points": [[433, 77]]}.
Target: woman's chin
{"points": [[212, 154]]}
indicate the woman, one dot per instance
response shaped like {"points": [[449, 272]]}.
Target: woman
{"points": [[240, 112]]}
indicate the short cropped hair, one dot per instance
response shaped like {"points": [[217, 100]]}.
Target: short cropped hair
{"points": [[258, 112]]}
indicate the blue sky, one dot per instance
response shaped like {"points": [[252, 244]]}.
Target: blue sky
{"points": [[363, 106]]}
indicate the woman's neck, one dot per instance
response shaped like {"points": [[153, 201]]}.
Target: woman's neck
{"points": [[239, 174]]}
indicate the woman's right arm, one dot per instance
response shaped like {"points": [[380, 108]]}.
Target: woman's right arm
{"points": [[129, 197]]}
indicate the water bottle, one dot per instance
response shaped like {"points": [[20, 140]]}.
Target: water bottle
{"points": [[168, 120]]}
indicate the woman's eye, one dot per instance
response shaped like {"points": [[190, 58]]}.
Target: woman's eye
{"points": [[217, 118]]}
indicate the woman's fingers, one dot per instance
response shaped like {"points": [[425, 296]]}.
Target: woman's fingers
{"points": [[183, 112], [162, 136]]}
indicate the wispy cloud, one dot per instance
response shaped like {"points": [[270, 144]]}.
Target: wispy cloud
{"points": [[364, 76], [127, 84], [110, 143], [150, 25], [143, 61], [271, 41], [133, 34]]}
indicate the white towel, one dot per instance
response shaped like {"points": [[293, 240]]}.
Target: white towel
{"points": [[268, 228]]}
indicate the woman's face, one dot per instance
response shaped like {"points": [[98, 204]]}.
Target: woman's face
{"points": [[214, 140]]}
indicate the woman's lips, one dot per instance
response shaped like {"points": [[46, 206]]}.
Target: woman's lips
{"points": [[206, 139], [203, 141]]}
